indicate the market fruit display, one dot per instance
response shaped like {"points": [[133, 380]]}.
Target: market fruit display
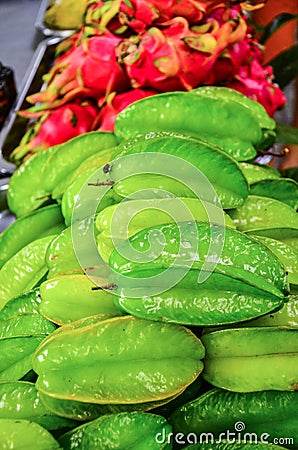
{"points": [[248, 261], [123, 51], [181, 318], [137, 212]]}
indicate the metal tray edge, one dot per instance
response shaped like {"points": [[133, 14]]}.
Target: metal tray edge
{"points": [[40, 25], [23, 92]]}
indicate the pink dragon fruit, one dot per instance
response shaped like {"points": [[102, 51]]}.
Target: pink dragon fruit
{"points": [[57, 126], [67, 46], [129, 49], [173, 57], [138, 15], [90, 70], [257, 82], [115, 104]]}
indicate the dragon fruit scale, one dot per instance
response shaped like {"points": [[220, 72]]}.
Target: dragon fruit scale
{"points": [[177, 57], [55, 127], [90, 70], [256, 81], [135, 16]]}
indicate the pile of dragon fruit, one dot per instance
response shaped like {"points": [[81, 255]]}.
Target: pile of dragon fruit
{"points": [[127, 50]]}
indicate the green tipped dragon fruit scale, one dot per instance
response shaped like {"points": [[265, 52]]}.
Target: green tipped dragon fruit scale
{"points": [[120, 360], [133, 431]]}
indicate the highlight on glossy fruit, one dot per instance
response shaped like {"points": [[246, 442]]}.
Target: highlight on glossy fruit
{"points": [[241, 257], [133, 430]]}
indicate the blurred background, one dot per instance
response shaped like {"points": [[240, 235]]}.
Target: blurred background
{"points": [[18, 36]]}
